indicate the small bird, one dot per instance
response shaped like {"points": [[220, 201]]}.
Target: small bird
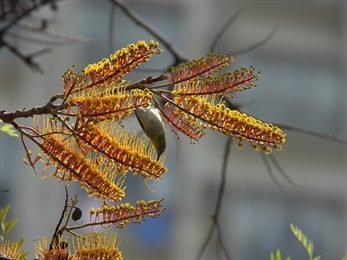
{"points": [[153, 126]]}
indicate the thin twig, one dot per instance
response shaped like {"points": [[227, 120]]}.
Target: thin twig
{"points": [[225, 27], [26, 59], [55, 235], [329, 137], [221, 243], [219, 201], [206, 241], [282, 171], [256, 45], [270, 172], [23, 15], [178, 54]]}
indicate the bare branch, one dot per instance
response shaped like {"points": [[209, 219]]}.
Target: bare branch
{"points": [[26, 59], [55, 236], [178, 54], [219, 201], [302, 130], [270, 172], [225, 27], [256, 45]]}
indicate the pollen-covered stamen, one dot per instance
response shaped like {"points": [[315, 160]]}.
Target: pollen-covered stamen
{"points": [[107, 73], [261, 136], [122, 214], [119, 64], [187, 124], [127, 150], [197, 68], [71, 81], [95, 177], [97, 246], [113, 104], [218, 85], [45, 250]]}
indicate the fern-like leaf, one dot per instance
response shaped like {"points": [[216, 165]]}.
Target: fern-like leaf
{"points": [[305, 242], [277, 256]]}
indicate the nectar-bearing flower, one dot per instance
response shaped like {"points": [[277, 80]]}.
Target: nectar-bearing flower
{"points": [[153, 126]]}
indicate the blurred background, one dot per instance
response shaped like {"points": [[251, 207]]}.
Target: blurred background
{"points": [[302, 84]]}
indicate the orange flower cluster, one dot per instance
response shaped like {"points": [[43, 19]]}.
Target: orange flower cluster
{"points": [[225, 83], [88, 247], [95, 176], [192, 107], [96, 152], [45, 251], [203, 66], [127, 150], [108, 72], [124, 213], [110, 105]]}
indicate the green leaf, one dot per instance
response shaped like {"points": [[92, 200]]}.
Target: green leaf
{"points": [[3, 213], [278, 255], [21, 242], [23, 256], [9, 225], [305, 242], [272, 257], [8, 129], [2, 225]]}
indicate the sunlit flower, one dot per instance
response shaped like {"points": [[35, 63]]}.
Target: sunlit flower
{"points": [[13, 250], [97, 246]]}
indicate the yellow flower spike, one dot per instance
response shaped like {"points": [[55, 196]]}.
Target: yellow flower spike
{"points": [[98, 246], [99, 76], [96, 177], [122, 214], [113, 104], [60, 250], [260, 135], [203, 66], [125, 149]]}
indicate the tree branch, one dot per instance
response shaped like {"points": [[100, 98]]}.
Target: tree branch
{"points": [[178, 54]]}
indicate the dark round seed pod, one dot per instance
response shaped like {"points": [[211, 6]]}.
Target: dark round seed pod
{"points": [[77, 214]]}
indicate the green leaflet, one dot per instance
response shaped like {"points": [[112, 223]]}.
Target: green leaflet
{"points": [[8, 129]]}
